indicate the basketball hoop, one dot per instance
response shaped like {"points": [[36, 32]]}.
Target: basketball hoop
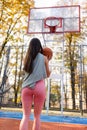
{"points": [[52, 23], [57, 19]]}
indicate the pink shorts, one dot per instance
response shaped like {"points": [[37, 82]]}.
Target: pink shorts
{"points": [[36, 95]]}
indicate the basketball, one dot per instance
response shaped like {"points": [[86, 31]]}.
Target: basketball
{"points": [[48, 52]]}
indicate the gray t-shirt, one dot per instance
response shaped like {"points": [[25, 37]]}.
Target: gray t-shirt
{"points": [[39, 72]]}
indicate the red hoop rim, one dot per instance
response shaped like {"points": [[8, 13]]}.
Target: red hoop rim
{"points": [[53, 18]]}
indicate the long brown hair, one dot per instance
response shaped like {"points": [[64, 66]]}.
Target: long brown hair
{"points": [[33, 49]]}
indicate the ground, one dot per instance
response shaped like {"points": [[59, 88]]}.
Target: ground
{"points": [[13, 124]]}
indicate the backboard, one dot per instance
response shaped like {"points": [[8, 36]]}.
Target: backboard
{"points": [[59, 19]]}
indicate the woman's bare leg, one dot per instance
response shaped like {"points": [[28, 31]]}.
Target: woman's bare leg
{"points": [[27, 98]]}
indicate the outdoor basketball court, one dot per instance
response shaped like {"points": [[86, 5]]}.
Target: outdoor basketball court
{"points": [[51, 22]]}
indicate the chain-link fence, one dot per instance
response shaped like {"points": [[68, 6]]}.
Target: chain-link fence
{"points": [[74, 79]]}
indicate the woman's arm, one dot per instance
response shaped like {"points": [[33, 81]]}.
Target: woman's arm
{"points": [[47, 66]]}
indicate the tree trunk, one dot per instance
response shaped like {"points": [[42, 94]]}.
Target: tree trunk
{"points": [[16, 98], [73, 85], [72, 70]]}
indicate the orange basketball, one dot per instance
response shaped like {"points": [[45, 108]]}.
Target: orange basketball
{"points": [[48, 52]]}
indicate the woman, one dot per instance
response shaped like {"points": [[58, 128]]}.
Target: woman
{"points": [[36, 67]]}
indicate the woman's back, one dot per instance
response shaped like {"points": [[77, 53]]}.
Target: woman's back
{"points": [[38, 73]]}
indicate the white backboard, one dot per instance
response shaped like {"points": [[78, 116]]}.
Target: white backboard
{"points": [[70, 19]]}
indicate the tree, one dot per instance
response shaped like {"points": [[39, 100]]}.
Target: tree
{"points": [[55, 95], [13, 25], [72, 40], [13, 20], [16, 70], [71, 60]]}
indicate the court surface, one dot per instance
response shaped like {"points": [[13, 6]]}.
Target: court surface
{"points": [[11, 121]]}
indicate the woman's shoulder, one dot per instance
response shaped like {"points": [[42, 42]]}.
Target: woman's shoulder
{"points": [[40, 55]]}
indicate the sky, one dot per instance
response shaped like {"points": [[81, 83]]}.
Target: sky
{"points": [[45, 3], [49, 3]]}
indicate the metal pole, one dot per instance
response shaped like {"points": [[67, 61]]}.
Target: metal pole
{"points": [[62, 71], [48, 95], [80, 77]]}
